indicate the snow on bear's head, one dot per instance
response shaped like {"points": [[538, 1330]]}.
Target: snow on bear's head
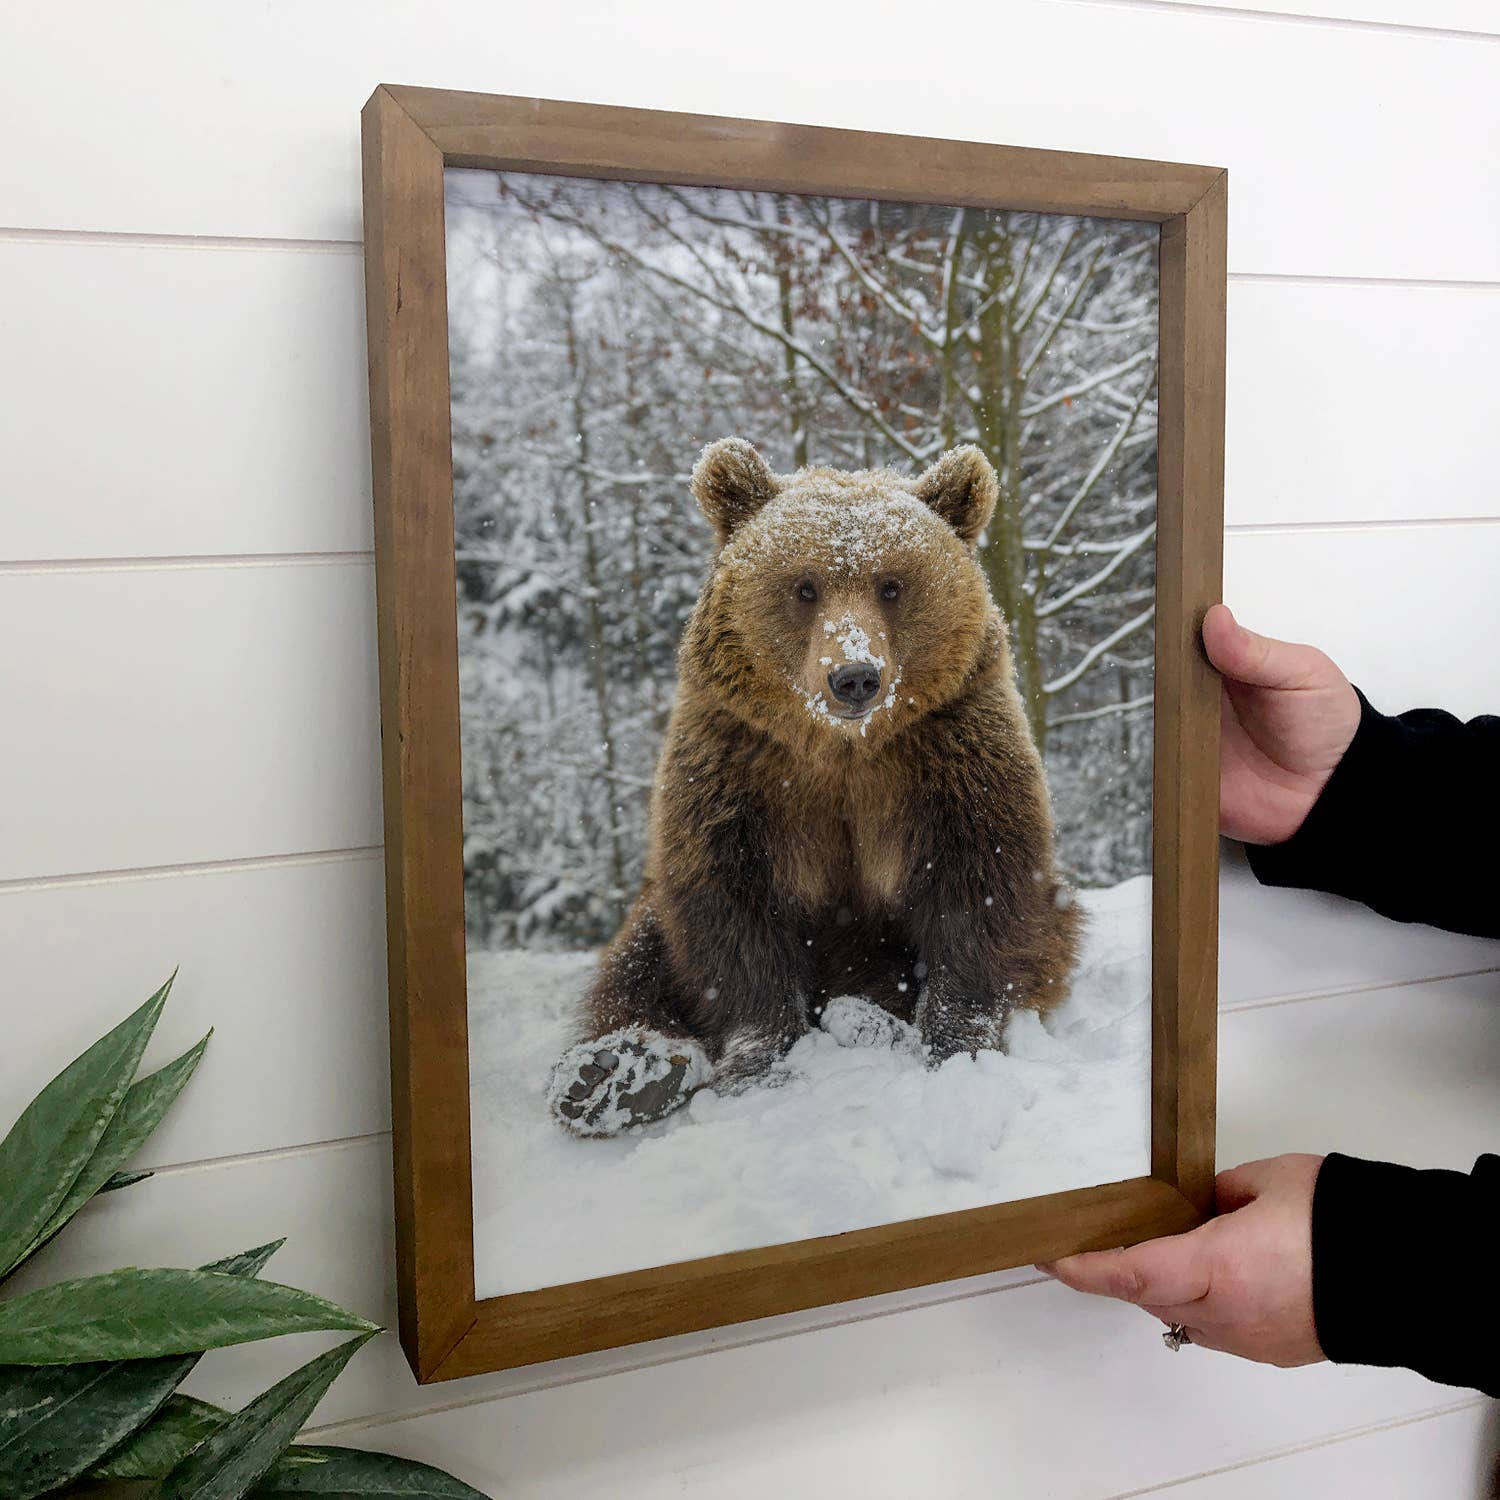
{"points": [[849, 602]]}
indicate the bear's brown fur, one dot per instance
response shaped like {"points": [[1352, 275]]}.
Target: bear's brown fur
{"points": [[894, 842]]}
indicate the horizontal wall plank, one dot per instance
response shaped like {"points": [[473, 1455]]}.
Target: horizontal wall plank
{"points": [[1447, 15], [168, 400], [174, 715], [1387, 1073], [1405, 1074], [1034, 1391], [1453, 1456], [256, 108], [223, 394], [1275, 943], [285, 962], [1407, 612], [1359, 402]]}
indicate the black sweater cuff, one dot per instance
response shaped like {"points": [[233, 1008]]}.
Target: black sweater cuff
{"points": [[1407, 823], [1404, 1268]]}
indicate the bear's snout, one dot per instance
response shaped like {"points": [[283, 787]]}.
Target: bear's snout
{"points": [[855, 683]]}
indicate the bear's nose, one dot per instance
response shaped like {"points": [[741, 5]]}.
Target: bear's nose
{"points": [[855, 683]]}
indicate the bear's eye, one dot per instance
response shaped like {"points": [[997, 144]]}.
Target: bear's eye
{"points": [[890, 590], [807, 591]]}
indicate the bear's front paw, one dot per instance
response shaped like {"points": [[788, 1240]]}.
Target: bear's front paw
{"points": [[751, 1058], [853, 1021], [624, 1079], [948, 1030]]}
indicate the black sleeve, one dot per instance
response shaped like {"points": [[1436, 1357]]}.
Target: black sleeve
{"points": [[1380, 1234], [1408, 824]]}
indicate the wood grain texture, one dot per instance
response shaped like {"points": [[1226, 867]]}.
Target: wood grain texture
{"points": [[1185, 846], [506, 132], [410, 135], [406, 290], [528, 1326]]}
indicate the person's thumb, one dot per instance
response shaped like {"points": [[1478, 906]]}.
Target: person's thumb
{"points": [[1155, 1273], [1235, 1187], [1256, 660]]}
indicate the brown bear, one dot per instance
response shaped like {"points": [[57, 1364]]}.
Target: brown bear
{"points": [[848, 800]]}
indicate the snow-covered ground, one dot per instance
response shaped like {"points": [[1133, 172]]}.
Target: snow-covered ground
{"points": [[858, 1135]]}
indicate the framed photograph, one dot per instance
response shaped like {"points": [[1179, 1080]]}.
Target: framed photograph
{"points": [[800, 766]]}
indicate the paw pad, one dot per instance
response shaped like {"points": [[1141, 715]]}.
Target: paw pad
{"points": [[632, 1079]]}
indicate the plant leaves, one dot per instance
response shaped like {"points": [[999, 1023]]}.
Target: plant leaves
{"points": [[354, 1472], [58, 1419], [56, 1135], [125, 1179], [108, 1489], [55, 1420], [141, 1314], [236, 1455], [140, 1112], [183, 1423], [154, 1449], [246, 1262]]}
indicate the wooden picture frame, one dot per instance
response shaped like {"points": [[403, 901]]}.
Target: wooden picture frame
{"points": [[410, 135]]}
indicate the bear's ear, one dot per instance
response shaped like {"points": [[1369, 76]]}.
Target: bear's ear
{"points": [[731, 481], [961, 487]]}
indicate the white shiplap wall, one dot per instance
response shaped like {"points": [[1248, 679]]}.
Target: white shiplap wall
{"points": [[189, 744]]}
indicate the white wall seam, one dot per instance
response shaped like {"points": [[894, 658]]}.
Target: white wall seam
{"points": [[110, 239], [1289, 18], [187, 560], [1347, 1435], [19, 234], [1337, 992], [201, 867], [730, 1336], [279, 1153]]}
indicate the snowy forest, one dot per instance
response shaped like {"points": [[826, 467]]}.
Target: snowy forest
{"points": [[601, 333]]}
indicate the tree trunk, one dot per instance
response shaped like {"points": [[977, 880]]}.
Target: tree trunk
{"points": [[595, 623], [796, 409], [1001, 388]]}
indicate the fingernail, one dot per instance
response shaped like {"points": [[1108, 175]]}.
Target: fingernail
{"points": [[1046, 1267]]}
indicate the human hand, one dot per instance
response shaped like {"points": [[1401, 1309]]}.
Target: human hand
{"points": [[1241, 1283], [1288, 715]]}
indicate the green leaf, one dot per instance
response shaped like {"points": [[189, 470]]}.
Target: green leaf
{"points": [[176, 1429], [58, 1131], [140, 1112], [229, 1462], [55, 1420], [183, 1423], [125, 1179], [140, 1314], [246, 1262], [353, 1472]]}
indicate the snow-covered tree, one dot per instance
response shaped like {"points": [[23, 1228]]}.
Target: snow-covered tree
{"points": [[602, 332]]}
